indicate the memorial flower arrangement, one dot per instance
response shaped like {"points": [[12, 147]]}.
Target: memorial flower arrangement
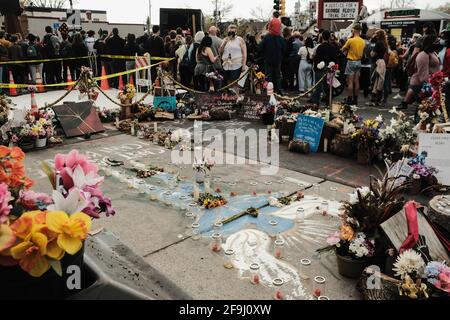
{"points": [[369, 131], [107, 115], [37, 231], [215, 75], [5, 107], [432, 103], [438, 275], [399, 134], [210, 201], [87, 84], [410, 266]]}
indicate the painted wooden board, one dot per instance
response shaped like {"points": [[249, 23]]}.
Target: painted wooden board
{"points": [[396, 230]]}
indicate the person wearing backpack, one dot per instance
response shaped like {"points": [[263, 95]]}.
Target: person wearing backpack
{"points": [[34, 52], [51, 47], [426, 63], [305, 71], [184, 64], [67, 52]]}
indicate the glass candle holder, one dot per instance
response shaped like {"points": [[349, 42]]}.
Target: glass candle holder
{"points": [[278, 289], [324, 207], [279, 249], [273, 228], [305, 269], [254, 274], [218, 226], [301, 215], [216, 242], [319, 286], [195, 231], [229, 259], [333, 193], [316, 189], [324, 298]]}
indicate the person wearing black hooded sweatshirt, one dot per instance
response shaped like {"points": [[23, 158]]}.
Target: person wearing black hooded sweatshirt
{"points": [[115, 46], [155, 47]]}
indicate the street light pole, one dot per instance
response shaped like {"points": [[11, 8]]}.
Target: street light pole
{"points": [[149, 14]]}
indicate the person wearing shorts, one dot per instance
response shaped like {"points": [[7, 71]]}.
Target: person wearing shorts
{"points": [[354, 50]]}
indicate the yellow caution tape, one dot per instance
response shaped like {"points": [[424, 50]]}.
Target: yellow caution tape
{"points": [[86, 57], [64, 84]]}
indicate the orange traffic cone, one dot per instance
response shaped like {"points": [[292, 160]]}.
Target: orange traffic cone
{"points": [[39, 84], [131, 80], [12, 90], [34, 106], [69, 79], [104, 84], [121, 86]]}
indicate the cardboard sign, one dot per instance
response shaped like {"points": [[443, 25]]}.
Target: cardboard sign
{"points": [[309, 129], [252, 105], [78, 119], [437, 145], [208, 101], [400, 169], [168, 104]]}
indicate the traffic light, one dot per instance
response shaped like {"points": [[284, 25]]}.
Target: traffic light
{"points": [[276, 6], [283, 8]]}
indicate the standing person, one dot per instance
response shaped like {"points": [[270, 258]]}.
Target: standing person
{"points": [[198, 38], [79, 50], [378, 55], [285, 72], [216, 44], [325, 52], [115, 46], [67, 52], [354, 50], [426, 63], [234, 56], [271, 50], [3, 41], [366, 66], [131, 49], [90, 44], [100, 47], [16, 54], [305, 70], [391, 64], [205, 61], [184, 61], [51, 46], [294, 61], [155, 47], [4, 57], [34, 52]]}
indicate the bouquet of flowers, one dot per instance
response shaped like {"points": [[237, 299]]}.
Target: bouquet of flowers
{"points": [[419, 166], [214, 75], [438, 274], [210, 201], [87, 84], [409, 266], [369, 132], [107, 115], [5, 107], [399, 134], [432, 103]]}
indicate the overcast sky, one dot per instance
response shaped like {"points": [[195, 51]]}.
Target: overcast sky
{"points": [[136, 11]]}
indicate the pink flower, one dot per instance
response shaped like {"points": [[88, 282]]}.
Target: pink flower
{"points": [[31, 200], [66, 164], [5, 207], [98, 203], [334, 239]]}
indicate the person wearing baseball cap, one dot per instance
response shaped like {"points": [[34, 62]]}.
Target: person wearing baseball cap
{"points": [[354, 50]]}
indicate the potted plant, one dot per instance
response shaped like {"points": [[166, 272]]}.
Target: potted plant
{"points": [[356, 243], [40, 236], [367, 140]]}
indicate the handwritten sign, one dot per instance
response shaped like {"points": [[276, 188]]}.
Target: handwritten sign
{"points": [[252, 105], [309, 129], [208, 101], [437, 145], [166, 103]]}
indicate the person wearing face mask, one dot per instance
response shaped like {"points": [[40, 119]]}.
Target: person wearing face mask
{"points": [[234, 55]]}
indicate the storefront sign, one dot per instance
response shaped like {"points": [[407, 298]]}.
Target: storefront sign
{"points": [[393, 24], [437, 145], [309, 129], [411, 13], [340, 10]]}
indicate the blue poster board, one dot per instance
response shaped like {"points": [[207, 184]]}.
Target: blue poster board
{"points": [[309, 129], [168, 104]]}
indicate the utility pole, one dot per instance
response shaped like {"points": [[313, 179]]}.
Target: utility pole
{"points": [[216, 13], [149, 14]]}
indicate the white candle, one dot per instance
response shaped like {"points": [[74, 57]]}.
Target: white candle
{"points": [[196, 192], [207, 186], [155, 127]]}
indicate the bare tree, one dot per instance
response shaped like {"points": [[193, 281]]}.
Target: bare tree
{"points": [[260, 14], [401, 4], [223, 6], [444, 8], [56, 4]]}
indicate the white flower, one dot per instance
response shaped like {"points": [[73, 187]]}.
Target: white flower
{"points": [[393, 110], [81, 180], [73, 203], [358, 246], [273, 202], [379, 118], [408, 263], [354, 108], [351, 128], [321, 65], [353, 198], [364, 191], [331, 64]]}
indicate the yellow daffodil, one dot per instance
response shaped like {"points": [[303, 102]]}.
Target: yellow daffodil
{"points": [[31, 254], [71, 230]]}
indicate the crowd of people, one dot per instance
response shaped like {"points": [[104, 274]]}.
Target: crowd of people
{"points": [[371, 60]]}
